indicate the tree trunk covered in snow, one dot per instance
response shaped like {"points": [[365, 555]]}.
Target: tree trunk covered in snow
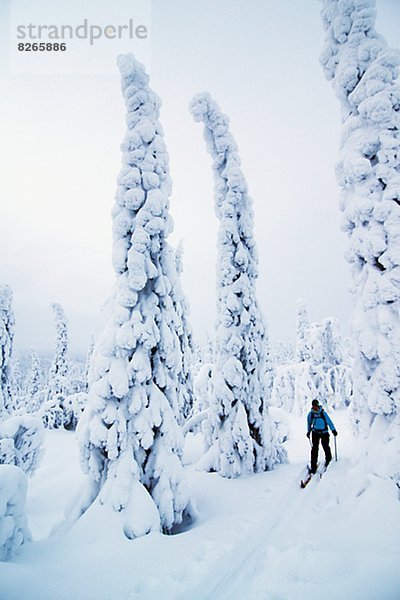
{"points": [[364, 73], [130, 441], [6, 344], [242, 434]]}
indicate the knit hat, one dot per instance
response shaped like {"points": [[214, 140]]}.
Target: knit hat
{"points": [[315, 403]]}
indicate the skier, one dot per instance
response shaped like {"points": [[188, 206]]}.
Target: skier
{"points": [[317, 424]]}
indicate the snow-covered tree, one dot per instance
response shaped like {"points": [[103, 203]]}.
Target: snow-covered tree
{"points": [[283, 353], [13, 522], [21, 441], [6, 344], [89, 356], [284, 386], [130, 441], [58, 380], [243, 439], [322, 370], [302, 326], [326, 373], [34, 389], [269, 368], [364, 73], [55, 411], [173, 268], [16, 384]]}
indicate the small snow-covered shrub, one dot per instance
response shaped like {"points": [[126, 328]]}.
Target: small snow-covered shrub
{"points": [[13, 523], [55, 413], [281, 427], [74, 405], [21, 440]]}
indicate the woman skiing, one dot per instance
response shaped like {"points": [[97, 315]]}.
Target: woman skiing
{"points": [[318, 422]]}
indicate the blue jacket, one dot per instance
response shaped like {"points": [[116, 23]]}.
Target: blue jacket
{"points": [[316, 422]]}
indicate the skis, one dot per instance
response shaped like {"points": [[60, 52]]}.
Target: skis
{"points": [[323, 470], [304, 482]]}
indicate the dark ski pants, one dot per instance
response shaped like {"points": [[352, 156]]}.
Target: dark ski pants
{"points": [[324, 437]]}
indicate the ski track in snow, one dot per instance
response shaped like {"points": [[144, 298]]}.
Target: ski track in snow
{"points": [[250, 559], [256, 563]]}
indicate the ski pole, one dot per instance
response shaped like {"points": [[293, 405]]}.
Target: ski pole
{"points": [[335, 449]]}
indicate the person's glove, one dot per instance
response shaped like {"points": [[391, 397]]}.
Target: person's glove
{"points": [[308, 434], [334, 432]]}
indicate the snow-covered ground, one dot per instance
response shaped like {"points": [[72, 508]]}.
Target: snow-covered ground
{"points": [[258, 537]]}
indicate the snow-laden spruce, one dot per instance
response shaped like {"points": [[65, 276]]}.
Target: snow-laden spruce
{"points": [[241, 435], [88, 362], [364, 73], [21, 440], [55, 411], [302, 325], [13, 522], [173, 268], [6, 344], [16, 385], [129, 438], [34, 386], [58, 375]]}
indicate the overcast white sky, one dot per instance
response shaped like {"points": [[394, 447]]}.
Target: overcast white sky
{"points": [[60, 156]]}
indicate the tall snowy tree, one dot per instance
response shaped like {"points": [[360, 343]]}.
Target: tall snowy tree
{"points": [[16, 384], [89, 357], [130, 441], [58, 376], [6, 344], [364, 73], [243, 433], [302, 325], [34, 388]]}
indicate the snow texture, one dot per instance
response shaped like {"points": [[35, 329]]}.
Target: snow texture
{"points": [[6, 345], [13, 523], [130, 441], [364, 74], [240, 435]]}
